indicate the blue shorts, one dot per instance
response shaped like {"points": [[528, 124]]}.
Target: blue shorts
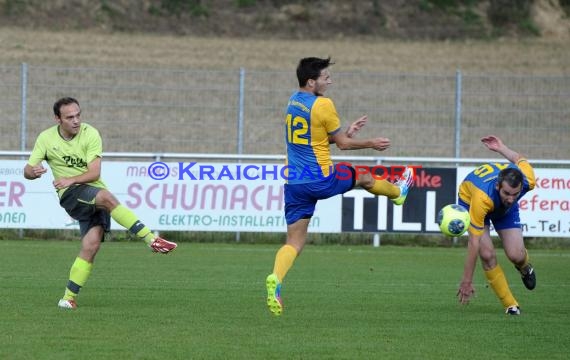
{"points": [[301, 199], [509, 220]]}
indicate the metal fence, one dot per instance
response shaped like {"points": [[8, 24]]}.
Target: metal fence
{"points": [[241, 111]]}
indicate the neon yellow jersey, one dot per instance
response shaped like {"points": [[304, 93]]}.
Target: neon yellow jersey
{"points": [[68, 158]]}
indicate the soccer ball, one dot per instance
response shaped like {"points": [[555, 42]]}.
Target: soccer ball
{"points": [[453, 220]]}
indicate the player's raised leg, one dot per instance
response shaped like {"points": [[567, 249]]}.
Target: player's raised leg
{"points": [[127, 219], [405, 182], [396, 192]]}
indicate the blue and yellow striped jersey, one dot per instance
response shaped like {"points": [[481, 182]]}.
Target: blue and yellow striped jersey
{"points": [[478, 189], [309, 121]]}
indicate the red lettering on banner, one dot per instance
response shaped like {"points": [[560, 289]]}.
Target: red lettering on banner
{"points": [[208, 197], [15, 191], [147, 196], [552, 183], [424, 180], [239, 196], [378, 172], [132, 193], [397, 172], [361, 170], [535, 203]]}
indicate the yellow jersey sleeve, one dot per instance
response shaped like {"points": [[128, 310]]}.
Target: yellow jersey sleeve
{"points": [[39, 152], [94, 144], [479, 206], [324, 122], [527, 171], [325, 116]]}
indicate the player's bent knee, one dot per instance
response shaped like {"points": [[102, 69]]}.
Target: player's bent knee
{"points": [[488, 257], [366, 181], [106, 199]]}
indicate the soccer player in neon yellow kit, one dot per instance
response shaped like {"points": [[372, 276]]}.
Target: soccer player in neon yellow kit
{"points": [[73, 151], [311, 125], [491, 193]]}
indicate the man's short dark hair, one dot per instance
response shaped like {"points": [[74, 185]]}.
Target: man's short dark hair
{"points": [[310, 68], [62, 102], [513, 177]]}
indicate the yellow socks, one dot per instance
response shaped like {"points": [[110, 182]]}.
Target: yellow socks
{"points": [[127, 219], [498, 283], [384, 187], [284, 260], [78, 275]]}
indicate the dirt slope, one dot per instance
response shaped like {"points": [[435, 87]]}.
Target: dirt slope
{"points": [[290, 19]]}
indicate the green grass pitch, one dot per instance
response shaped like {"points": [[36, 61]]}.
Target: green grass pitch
{"points": [[207, 301]]}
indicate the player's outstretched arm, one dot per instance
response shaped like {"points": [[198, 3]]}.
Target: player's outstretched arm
{"points": [[346, 141], [494, 143]]}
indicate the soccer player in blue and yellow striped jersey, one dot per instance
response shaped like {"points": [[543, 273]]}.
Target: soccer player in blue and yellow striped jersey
{"points": [[311, 125], [491, 193]]}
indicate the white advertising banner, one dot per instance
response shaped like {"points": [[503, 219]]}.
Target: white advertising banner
{"points": [[26, 204], [168, 196], [231, 197], [545, 210]]}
